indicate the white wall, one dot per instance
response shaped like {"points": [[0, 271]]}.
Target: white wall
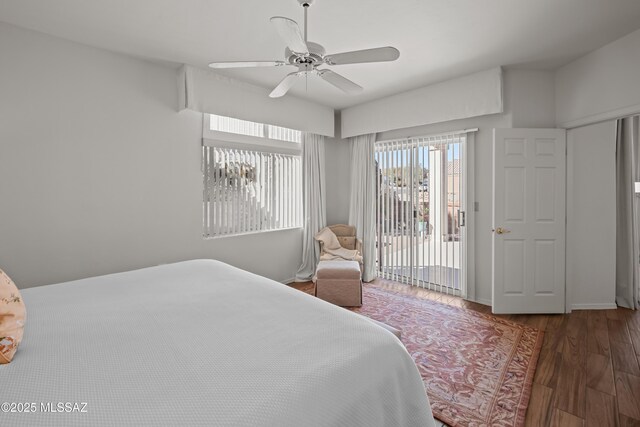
{"points": [[99, 173], [591, 216], [530, 98], [601, 85], [474, 95], [338, 176]]}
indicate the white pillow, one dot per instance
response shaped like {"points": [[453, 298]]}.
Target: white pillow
{"points": [[328, 239]]}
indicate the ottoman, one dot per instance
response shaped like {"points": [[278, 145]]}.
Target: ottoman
{"points": [[339, 282]]}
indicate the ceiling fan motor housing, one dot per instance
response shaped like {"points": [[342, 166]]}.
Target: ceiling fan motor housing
{"points": [[314, 59]]}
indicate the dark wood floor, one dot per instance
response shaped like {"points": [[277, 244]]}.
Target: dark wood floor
{"points": [[588, 373]]}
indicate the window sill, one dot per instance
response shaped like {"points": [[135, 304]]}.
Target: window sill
{"points": [[248, 233]]}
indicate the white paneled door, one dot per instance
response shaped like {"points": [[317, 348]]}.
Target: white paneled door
{"points": [[529, 186]]}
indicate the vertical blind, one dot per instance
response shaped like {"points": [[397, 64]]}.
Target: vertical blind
{"points": [[420, 211], [249, 191]]}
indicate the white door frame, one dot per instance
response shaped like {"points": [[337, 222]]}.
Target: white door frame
{"points": [[469, 231]]}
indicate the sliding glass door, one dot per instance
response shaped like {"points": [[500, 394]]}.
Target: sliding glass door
{"points": [[421, 211]]}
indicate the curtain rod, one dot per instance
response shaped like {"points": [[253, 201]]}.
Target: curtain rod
{"points": [[455, 132]]}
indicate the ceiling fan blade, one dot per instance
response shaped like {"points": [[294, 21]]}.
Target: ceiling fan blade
{"points": [[340, 82], [284, 85], [378, 54], [290, 33], [246, 64]]}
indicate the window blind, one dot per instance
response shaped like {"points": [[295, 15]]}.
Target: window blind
{"points": [[420, 211], [248, 191]]}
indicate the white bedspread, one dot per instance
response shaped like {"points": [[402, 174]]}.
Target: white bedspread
{"points": [[203, 343]]}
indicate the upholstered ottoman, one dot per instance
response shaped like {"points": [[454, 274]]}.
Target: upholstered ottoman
{"points": [[339, 282]]}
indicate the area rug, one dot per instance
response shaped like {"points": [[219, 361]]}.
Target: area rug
{"points": [[477, 368]]}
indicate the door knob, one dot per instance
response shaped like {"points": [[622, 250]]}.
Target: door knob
{"points": [[501, 230]]}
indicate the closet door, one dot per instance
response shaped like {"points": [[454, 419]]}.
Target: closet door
{"points": [[591, 216]]}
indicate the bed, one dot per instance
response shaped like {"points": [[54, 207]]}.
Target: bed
{"points": [[203, 343]]}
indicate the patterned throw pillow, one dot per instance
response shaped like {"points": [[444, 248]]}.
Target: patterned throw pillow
{"points": [[12, 317]]}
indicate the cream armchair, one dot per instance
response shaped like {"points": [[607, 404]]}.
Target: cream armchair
{"points": [[338, 276], [346, 235]]}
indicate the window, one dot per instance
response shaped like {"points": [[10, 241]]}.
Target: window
{"points": [[252, 180], [259, 130]]}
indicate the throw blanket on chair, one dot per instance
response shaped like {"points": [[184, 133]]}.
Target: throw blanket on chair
{"points": [[331, 248]]}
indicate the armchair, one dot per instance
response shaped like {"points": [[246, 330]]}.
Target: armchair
{"points": [[338, 276], [346, 235]]}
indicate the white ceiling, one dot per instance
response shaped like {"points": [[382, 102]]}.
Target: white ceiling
{"points": [[437, 39]]}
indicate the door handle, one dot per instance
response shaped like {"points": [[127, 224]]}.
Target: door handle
{"points": [[501, 230]]}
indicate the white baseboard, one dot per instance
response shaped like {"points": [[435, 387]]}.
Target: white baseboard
{"points": [[597, 306], [480, 301]]}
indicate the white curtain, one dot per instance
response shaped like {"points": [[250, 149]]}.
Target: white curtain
{"points": [[314, 196], [628, 207], [362, 205]]}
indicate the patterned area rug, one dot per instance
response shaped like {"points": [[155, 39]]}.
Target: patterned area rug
{"points": [[477, 368]]}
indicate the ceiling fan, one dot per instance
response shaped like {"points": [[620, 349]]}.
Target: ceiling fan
{"points": [[308, 56]]}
